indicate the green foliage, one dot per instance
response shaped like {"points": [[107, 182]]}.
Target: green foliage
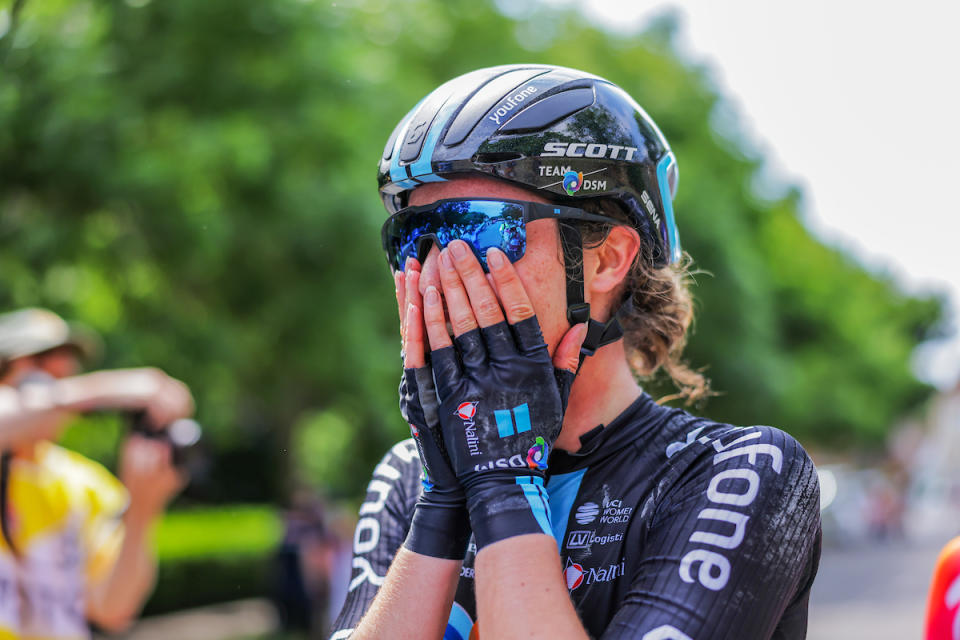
{"points": [[196, 181], [223, 530], [214, 555]]}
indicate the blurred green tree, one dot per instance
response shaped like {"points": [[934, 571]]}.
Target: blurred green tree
{"points": [[196, 181]]}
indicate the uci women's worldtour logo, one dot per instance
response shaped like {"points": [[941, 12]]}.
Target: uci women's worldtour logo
{"points": [[587, 512], [537, 455], [467, 411]]}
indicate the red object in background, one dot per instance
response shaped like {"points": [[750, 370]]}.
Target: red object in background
{"points": [[943, 605]]}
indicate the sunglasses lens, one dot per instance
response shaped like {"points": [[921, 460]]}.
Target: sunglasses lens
{"points": [[482, 224]]}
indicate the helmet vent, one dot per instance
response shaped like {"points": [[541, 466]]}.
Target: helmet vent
{"points": [[495, 157], [549, 110], [486, 98]]}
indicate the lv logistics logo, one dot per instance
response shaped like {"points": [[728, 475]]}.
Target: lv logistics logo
{"points": [[585, 539]]}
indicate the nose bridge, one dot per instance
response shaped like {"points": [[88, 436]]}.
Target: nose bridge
{"points": [[425, 244]]}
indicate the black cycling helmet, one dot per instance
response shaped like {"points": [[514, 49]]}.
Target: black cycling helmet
{"points": [[569, 134]]}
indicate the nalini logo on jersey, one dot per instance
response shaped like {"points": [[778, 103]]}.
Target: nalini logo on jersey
{"points": [[466, 411], [573, 574], [537, 455], [587, 512]]}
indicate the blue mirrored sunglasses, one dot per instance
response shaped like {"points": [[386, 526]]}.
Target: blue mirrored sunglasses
{"points": [[480, 222]]}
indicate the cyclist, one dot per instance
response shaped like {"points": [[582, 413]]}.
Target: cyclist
{"points": [[943, 602], [75, 544], [531, 218]]}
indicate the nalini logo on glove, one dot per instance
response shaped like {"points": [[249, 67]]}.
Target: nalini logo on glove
{"points": [[537, 455], [466, 411]]}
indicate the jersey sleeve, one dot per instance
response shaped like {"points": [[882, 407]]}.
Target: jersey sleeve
{"points": [[733, 546], [384, 520]]}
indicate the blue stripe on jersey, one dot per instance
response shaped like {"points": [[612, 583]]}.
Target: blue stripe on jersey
{"points": [[533, 490], [459, 624], [564, 488]]}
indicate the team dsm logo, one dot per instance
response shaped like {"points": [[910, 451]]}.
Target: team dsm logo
{"points": [[502, 463], [467, 411]]}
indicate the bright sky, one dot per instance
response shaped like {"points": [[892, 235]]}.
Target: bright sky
{"points": [[859, 103]]}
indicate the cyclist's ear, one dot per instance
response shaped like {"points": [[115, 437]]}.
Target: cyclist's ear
{"points": [[607, 264]]}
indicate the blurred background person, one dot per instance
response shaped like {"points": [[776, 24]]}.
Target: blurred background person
{"points": [[943, 602], [75, 545]]}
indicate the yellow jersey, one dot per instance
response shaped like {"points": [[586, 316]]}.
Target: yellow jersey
{"points": [[64, 519]]}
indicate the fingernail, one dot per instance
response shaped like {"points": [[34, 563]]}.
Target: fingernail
{"points": [[459, 249], [445, 260], [406, 265], [495, 258], [432, 297]]}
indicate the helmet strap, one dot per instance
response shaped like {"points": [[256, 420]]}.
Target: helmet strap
{"points": [[578, 310]]}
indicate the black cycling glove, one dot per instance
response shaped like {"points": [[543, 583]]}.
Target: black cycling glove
{"points": [[501, 408], [440, 526]]}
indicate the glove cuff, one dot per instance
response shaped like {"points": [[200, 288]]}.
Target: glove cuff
{"points": [[439, 531], [501, 508]]}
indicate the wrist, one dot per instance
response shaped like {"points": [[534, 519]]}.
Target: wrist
{"points": [[502, 507], [439, 531], [139, 517]]}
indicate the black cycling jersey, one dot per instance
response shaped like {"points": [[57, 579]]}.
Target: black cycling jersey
{"points": [[669, 526]]}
